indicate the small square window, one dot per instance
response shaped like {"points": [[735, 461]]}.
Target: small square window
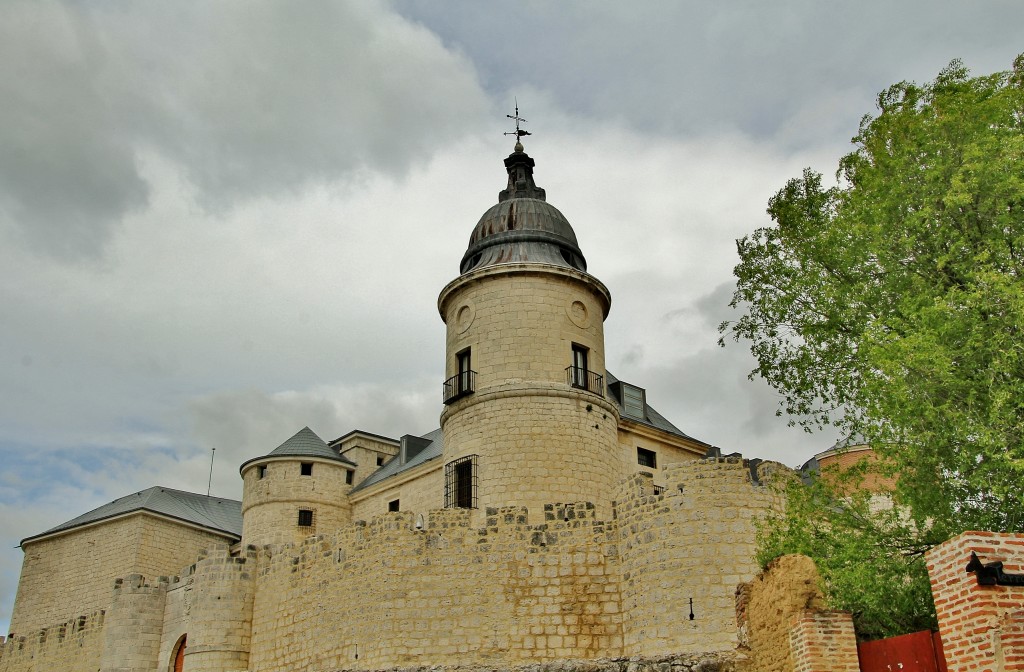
{"points": [[380, 460], [307, 469], [261, 471], [646, 458], [305, 518], [393, 505], [349, 475]]}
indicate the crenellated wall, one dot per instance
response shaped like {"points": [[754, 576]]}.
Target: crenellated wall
{"points": [[72, 573], [523, 587], [693, 541], [220, 615], [440, 588], [72, 646], [131, 641]]}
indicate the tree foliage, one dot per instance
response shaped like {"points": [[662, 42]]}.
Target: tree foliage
{"points": [[869, 553], [892, 303]]}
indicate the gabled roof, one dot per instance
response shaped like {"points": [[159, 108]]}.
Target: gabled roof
{"points": [[214, 513], [651, 417], [394, 466], [304, 443]]}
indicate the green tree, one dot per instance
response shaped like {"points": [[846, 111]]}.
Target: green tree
{"points": [[892, 303], [870, 556]]}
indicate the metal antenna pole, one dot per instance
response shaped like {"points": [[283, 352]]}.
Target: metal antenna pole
{"points": [[213, 453]]}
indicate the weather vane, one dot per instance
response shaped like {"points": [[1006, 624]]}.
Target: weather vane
{"points": [[519, 133]]}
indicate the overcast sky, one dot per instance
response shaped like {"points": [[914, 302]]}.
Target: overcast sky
{"points": [[220, 222]]}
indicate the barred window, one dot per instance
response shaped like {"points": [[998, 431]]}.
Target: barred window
{"points": [[460, 483], [646, 458], [305, 518]]}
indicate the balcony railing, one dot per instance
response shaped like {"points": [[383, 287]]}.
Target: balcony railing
{"points": [[583, 379], [458, 386]]}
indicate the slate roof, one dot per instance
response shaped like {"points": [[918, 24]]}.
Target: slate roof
{"points": [[214, 513], [394, 465], [651, 417], [305, 443]]}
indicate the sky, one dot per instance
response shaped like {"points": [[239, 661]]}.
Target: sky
{"points": [[223, 221]]}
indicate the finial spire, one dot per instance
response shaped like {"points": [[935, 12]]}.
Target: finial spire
{"points": [[519, 133]]}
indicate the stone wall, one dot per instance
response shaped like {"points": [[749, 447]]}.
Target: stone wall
{"points": [[395, 595], [538, 439], [221, 613], [696, 540], [71, 646], [134, 625], [982, 627], [420, 489], [520, 588], [702, 662], [73, 573]]}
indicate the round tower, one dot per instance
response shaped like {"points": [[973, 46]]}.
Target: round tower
{"points": [[527, 421], [298, 489]]}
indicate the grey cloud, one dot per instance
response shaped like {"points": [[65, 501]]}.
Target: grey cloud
{"points": [[247, 99], [248, 423], [682, 67]]}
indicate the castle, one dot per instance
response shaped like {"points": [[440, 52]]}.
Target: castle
{"points": [[554, 515]]}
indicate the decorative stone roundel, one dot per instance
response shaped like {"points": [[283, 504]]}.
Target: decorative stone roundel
{"points": [[464, 317], [578, 314]]}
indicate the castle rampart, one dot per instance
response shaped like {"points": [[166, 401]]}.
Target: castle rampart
{"points": [[131, 638], [406, 589], [72, 646]]}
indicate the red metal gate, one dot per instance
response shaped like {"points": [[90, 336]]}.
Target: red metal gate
{"points": [[917, 652]]}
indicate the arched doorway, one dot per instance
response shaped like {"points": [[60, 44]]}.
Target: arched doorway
{"points": [[178, 657]]}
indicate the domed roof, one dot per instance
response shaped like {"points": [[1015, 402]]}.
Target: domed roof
{"points": [[522, 226]]}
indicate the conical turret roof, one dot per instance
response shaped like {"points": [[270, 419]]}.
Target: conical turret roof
{"points": [[304, 443]]}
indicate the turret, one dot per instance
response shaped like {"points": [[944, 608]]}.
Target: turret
{"points": [[298, 489], [527, 420]]}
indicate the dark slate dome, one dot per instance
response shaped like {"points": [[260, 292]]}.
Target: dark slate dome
{"points": [[522, 226]]}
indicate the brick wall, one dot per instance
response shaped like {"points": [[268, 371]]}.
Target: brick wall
{"points": [[980, 625], [823, 641]]}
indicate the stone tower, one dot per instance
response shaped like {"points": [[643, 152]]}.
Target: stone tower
{"points": [[527, 421], [298, 489]]}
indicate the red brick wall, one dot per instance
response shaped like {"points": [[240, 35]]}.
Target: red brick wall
{"points": [[982, 627], [823, 641]]}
